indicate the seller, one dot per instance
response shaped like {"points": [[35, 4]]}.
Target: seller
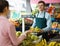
{"points": [[43, 19]]}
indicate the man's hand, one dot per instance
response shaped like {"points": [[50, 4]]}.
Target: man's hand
{"points": [[41, 31]]}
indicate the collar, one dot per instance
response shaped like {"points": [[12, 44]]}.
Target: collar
{"points": [[41, 11], [3, 17]]}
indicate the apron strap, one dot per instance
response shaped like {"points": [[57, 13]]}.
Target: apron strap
{"points": [[44, 14], [38, 14]]}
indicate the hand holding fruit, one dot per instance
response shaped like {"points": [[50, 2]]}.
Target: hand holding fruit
{"points": [[41, 30], [28, 31], [32, 29]]}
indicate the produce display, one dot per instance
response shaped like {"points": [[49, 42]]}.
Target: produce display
{"points": [[29, 41], [32, 39], [51, 10]]}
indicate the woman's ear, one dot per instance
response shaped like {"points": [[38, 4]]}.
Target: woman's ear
{"points": [[5, 9]]}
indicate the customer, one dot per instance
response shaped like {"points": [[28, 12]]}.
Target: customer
{"points": [[43, 19], [7, 29]]}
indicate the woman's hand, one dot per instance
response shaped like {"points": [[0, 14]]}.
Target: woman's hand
{"points": [[26, 32]]}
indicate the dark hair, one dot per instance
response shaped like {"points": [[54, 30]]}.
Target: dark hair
{"points": [[42, 2], [3, 4]]}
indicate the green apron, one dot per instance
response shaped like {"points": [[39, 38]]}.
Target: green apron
{"points": [[41, 22]]}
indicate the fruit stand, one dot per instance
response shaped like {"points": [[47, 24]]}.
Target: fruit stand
{"points": [[36, 41], [33, 39]]}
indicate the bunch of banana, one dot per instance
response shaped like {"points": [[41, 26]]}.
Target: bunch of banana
{"points": [[29, 40], [39, 44], [57, 44], [52, 43], [33, 37], [36, 29], [18, 33], [42, 43], [45, 42]]}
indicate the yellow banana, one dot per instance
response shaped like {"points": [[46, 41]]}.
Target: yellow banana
{"points": [[52, 43]]}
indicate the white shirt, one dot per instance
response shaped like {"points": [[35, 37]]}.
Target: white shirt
{"points": [[48, 18]]}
